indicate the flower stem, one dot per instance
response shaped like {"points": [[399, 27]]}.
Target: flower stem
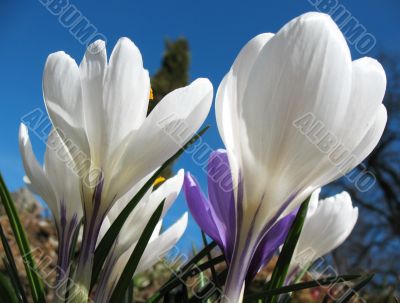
{"points": [[93, 218], [83, 272], [66, 236], [105, 285], [240, 263]]}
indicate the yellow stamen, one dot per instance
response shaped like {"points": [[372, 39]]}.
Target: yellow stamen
{"points": [[159, 180], [151, 96]]}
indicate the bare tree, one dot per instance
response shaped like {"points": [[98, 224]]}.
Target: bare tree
{"points": [[375, 242]]}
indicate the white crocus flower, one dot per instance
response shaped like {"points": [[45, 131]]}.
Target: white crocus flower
{"points": [[99, 108], [58, 185], [294, 112], [328, 224], [130, 233]]}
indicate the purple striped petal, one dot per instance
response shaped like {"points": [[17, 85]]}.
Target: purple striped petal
{"points": [[270, 243], [221, 197], [200, 208]]}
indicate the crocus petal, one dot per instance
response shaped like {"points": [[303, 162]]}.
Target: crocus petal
{"points": [[169, 191], [103, 230], [325, 229], [126, 91], [122, 202], [271, 242], [58, 185], [229, 91], [301, 75], [368, 90], [368, 142], [221, 195], [199, 207], [58, 168], [92, 71], [63, 99], [237, 78], [138, 218], [168, 127], [156, 231], [373, 135], [36, 179], [160, 245]]}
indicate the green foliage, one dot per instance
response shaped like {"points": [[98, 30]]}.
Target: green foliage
{"points": [[299, 286], [355, 289], [285, 257], [32, 272], [12, 270], [7, 293]]}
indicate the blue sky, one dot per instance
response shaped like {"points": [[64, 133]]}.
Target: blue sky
{"points": [[216, 31]]}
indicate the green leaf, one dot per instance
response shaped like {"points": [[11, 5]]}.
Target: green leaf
{"points": [[285, 257], [127, 275], [353, 291], [12, 270], [128, 298], [32, 273], [300, 286], [106, 243], [7, 293]]}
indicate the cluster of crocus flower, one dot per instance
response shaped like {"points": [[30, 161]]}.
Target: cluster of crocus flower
{"points": [[101, 107], [102, 149], [281, 90]]}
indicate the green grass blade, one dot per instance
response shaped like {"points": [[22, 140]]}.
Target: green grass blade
{"points": [[12, 270], [14, 283], [300, 286], [6, 290], [127, 275], [128, 298], [32, 273], [353, 291], [285, 257], [106, 243]]}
